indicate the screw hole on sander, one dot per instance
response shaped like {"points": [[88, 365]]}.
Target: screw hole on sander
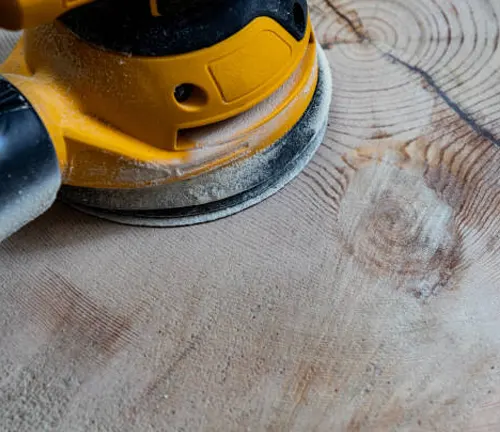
{"points": [[190, 96], [299, 17]]}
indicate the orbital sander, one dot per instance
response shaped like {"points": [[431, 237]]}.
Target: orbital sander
{"points": [[156, 112]]}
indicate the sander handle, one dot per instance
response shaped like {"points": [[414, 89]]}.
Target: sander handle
{"points": [[30, 177]]}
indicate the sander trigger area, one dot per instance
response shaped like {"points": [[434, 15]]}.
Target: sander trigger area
{"points": [[157, 112]]}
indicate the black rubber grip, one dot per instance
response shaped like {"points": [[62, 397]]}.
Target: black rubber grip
{"points": [[176, 26], [29, 169]]}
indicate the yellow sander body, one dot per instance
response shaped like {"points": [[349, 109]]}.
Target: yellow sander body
{"points": [[162, 113]]}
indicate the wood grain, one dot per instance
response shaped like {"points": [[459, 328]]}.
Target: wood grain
{"points": [[363, 297]]}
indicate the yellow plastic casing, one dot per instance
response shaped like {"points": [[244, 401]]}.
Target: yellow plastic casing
{"points": [[21, 14], [116, 123]]}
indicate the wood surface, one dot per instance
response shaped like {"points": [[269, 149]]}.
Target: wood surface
{"points": [[363, 297]]}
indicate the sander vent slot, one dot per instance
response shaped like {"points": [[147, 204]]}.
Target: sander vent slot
{"points": [[225, 132]]}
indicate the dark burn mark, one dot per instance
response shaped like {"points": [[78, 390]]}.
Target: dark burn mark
{"points": [[95, 331], [78, 337]]}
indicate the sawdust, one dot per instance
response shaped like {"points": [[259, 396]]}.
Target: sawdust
{"points": [[236, 178]]}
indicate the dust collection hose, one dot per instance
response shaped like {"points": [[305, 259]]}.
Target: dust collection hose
{"points": [[29, 170]]}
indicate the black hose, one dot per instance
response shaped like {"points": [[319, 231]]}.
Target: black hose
{"points": [[29, 170]]}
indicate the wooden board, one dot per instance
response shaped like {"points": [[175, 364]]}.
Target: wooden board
{"points": [[364, 297]]}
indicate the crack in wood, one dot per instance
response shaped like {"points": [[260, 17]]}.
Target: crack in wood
{"points": [[361, 35], [462, 113], [429, 80]]}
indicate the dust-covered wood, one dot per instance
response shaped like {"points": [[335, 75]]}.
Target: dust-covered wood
{"points": [[363, 297]]}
